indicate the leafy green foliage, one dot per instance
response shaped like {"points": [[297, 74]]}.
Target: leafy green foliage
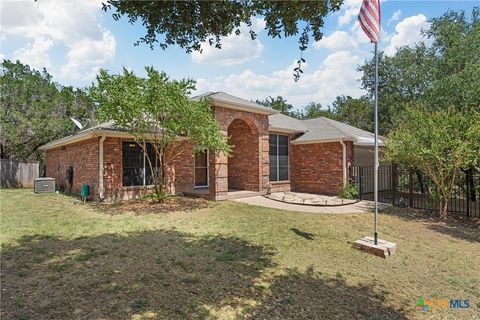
{"points": [[355, 112], [35, 110], [439, 143], [438, 76], [278, 103], [188, 24], [349, 191], [157, 110]]}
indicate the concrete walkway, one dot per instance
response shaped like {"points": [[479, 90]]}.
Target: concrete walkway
{"points": [[359, 207]]}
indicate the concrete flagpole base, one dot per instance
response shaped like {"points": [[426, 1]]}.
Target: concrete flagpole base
{"points": [[383, 249]]}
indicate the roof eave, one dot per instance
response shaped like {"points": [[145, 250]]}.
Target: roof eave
{"points": [[285, 130], [321, 140], [242, 107]]}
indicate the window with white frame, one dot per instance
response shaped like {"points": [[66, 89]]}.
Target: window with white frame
{"points": [[135, 167], [278, 157]]}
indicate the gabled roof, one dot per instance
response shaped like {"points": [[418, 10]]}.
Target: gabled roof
{"points": [[226, 100], [320, 129]]}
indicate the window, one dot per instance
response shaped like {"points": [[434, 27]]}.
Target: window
{"points": [[136, 170], [201, 169], [278, 157]]}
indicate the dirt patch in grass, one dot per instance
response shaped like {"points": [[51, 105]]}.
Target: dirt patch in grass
{"points": [[147, 206]]}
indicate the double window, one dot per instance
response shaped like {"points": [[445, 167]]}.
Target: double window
{"points": [[136, 169], [278, 157]]}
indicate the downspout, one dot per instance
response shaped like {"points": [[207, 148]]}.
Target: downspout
{"points": [[101, 189], [344, 163]]}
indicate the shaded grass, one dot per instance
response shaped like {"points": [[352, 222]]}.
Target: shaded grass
{"points": [[228, 260]]}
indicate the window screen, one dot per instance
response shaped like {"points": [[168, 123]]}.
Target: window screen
{"points": [[135, 166], [278, 157]]}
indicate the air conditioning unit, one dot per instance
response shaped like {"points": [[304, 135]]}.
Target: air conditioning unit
{"points": [[44, 185]]}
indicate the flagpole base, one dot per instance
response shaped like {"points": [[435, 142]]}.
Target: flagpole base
{"points": [[375, 237], [383, 249]]}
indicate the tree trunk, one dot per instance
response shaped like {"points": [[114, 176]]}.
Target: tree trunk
{"points": [[443, 210]]}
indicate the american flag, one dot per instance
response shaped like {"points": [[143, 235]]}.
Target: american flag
{"points": [[369, 19]]}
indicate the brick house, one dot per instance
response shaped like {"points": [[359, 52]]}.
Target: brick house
{"points": [[269, 149]]}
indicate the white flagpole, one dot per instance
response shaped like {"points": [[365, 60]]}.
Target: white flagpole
{"points": [[375, 171]]}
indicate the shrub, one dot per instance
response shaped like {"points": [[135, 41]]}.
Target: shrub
{"points": [[349, 191]]}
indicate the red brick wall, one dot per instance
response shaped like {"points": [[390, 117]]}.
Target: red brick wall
{"points": [[317, 168], [83, 156], [180, 171], [219, 162], [241, 173]]}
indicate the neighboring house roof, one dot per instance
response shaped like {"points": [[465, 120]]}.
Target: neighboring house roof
{"points": [[226, 100], [321, 129]]}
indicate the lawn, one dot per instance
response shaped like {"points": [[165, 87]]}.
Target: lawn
{"points": [[62, 259]]}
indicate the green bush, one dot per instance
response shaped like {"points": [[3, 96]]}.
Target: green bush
{"points": [[349, 191]]}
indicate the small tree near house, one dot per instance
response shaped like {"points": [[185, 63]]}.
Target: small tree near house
{"points": [[157, 112], [439, 143]]}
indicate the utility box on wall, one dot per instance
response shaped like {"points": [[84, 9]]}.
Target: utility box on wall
{"points": [[44, 185]]}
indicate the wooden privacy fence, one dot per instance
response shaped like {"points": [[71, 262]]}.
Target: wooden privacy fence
{"points": [[17, 173], [407, 187]]}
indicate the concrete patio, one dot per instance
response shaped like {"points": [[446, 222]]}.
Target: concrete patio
{"points": [[358, 207]]}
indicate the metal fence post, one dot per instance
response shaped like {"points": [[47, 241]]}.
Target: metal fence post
{"points": [[410, 186], [467, 179], [360, 182]]}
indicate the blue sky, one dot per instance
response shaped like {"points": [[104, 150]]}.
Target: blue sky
{"points": [[73, 39]]}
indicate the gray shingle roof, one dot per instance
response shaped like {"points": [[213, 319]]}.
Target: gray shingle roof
{"points": [[321, 129], [229, 100], [282, 122]]}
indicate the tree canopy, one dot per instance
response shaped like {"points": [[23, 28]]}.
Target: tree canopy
{"points": [[35, 110], [440, 143], [156, 110], [188, 24], [444, 74]]}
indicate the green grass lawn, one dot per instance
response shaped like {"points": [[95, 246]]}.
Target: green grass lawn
{"points": [[62, 259]]}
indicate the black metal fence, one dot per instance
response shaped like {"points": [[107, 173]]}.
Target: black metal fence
{"points": [[407, 187]]}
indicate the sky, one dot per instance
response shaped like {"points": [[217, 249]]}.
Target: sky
{"points": [[74, 39]]}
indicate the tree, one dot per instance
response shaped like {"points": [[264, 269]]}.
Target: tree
{"points": [[277, 103], [36, 110], [188, 24], [444, 74], [157, 112], [355, 112], [314, 110], [439, 143]]}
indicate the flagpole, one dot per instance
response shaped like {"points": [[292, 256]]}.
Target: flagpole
{"points": [[375, 171]]}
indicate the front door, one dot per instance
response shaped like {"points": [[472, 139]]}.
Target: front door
{"points": [[201, 169]]}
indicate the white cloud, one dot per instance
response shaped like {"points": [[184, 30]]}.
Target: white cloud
{"points": [[235, 49], [36, 54], [339, 40], [335, 76], [349, 12], [407, 33], [49, 24], [395, 16]]}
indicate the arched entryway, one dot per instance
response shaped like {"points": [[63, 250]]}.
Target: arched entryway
{"points": [[243, 164]]}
